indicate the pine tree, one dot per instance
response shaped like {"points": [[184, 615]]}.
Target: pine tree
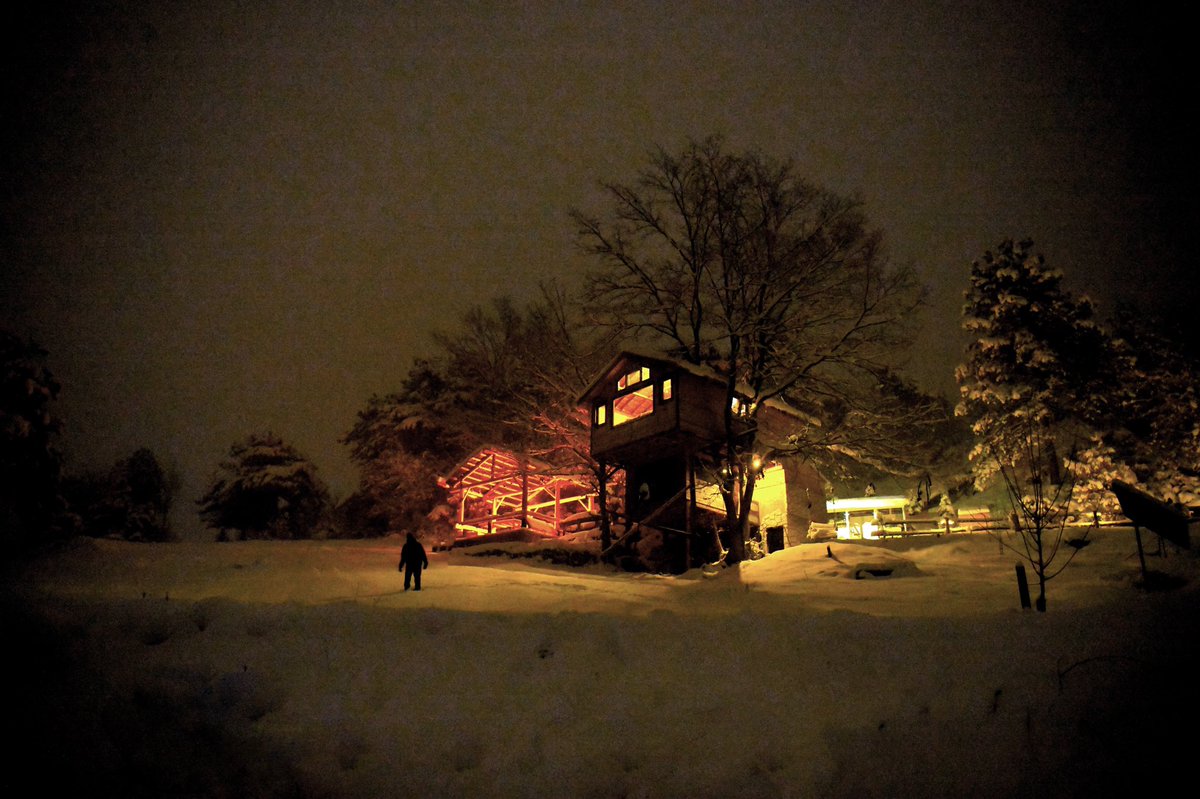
{"points": [[264, 489], [142, 494], [131, 501], [1035, 358], [29, 462], [1154, 413], [1095, 466]]}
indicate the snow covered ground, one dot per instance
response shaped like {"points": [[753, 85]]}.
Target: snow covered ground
{"points": [[302, 669]]}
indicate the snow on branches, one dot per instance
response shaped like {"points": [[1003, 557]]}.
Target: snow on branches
{"points": [[1035, 355], [264, 489]]}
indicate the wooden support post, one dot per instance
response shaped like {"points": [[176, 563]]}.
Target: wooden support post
{"points": [[602, 498], [524, 493], [1137, 533], [689, 477], [557, 508]]}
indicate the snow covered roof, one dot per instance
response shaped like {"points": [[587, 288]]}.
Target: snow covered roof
{"points": [[620, 365], [853, 504], [497, 458], [617, 366]]}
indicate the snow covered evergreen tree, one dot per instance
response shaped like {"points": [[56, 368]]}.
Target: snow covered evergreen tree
{"points": [[400, 446], [1154, 413], [1095, 465], [264, 489], [1035, 359], [131, 501], [29, 462], [146, 492]]}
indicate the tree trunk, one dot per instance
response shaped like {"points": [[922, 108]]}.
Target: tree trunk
{"points": [[746, 504]]}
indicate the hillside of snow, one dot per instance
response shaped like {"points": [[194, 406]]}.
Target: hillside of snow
{"points": [[301, 669]]}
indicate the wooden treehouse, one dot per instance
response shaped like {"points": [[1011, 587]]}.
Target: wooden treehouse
{"points": [[663, 422], [499, 493]]}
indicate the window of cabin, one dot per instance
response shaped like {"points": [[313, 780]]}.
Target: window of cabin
{"points": [[633, 378], [633, 405], [601, 415], [666, 389]]}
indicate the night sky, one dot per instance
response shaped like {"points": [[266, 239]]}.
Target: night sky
{"points": [[244, 216]]}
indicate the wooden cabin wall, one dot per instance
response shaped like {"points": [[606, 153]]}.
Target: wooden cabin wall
{"points": [[701, 407], [663, 478], [774, 427], [607, 439], [805, 500]]}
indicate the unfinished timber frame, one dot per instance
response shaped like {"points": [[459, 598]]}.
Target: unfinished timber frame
{"points": [[495, 490]]}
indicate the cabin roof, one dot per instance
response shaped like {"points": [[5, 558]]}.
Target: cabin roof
{"points": [[620, 364], [616, 367], [495, 457], [852, 504], [502, 467]]}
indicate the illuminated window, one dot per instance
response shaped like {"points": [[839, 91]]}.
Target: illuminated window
{"points": [[666, 391], [633, 378], [601, 414], [633, 405]]}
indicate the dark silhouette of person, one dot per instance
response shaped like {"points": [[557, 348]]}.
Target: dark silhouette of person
{"points": [[412, 560]]}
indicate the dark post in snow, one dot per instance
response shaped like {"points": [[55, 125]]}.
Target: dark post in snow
{"points": [[1023, 587]]}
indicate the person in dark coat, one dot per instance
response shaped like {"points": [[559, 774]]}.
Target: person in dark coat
{"points": [[412, 560]]}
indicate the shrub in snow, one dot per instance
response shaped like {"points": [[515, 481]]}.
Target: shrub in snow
{"points": [[246, 695]]}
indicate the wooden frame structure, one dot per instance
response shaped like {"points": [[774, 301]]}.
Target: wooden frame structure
{"points": [[867, 517], [495, 490]]}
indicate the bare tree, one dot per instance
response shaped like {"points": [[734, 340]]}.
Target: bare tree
{"points": [[1039, 489], [736, 262]]}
